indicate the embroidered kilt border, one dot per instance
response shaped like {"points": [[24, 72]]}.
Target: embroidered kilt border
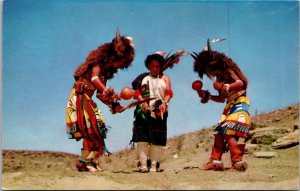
{"points": [[235, 119]]}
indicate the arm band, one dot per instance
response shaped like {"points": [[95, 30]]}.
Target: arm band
{"points": [[169, 92], [136, 94], [94, 78]]}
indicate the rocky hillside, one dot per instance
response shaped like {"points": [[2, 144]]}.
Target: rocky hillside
{"points": [[268, 129], [272, 155]]}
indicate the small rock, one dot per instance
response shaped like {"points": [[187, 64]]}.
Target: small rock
{"points": [[272, 176], [296, 126], [176, 171], [268, 135], [17, 167], [264, 154], [200, 145], [277, 119], [175, 156]]}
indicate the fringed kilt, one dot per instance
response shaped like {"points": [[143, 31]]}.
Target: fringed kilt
{"points": [[85, 120], [235, 119]]}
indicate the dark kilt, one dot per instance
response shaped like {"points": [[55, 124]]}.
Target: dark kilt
{"points": [[149, 129]]}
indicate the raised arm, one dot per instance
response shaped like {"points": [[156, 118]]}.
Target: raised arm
{"points": [[236, 85], [225, 88], [105, 94], [205, 95]]}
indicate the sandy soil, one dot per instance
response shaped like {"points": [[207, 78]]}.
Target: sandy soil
{"points": [[280, 172], [56, 170]]}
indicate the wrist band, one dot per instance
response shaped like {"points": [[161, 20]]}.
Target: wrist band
{"points": [[227, 87]]}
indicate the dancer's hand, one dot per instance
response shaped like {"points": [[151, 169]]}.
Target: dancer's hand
{"points": [[225, 89], [163, 107], [205, 96], [115, 97], [218, 85], [109, 95], [108, 92], [201, 93]]}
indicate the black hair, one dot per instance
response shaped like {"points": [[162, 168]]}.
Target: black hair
{"points": [[160, 59]]}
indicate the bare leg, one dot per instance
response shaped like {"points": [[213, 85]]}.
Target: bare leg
{"points": [[155, 156], [142, 148]]}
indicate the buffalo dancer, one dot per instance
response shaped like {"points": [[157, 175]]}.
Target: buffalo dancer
{"points": [[231, 85], [83, 118]]}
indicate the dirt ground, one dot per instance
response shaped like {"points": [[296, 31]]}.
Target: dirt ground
{"points": [[56, 170], [280, 172]]}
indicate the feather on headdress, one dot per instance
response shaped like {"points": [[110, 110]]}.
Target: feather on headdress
{"points": [[171, 59]]}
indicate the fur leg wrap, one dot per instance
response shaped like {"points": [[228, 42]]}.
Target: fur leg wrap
{"points": [[215, 161], [217, 149], [237, 152], [240, 166], [215, 156]]}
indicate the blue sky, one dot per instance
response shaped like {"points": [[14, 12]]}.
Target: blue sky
{"points": [[44, 42]]}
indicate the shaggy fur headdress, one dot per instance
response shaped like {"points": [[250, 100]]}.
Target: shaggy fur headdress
{"points": [[209, 60], [121, 47]]}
